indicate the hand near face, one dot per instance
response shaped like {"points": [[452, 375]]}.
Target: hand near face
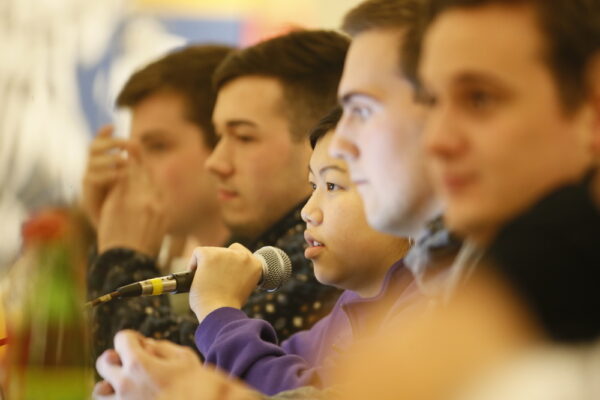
{"points": [[133, 214], [105, 163], [224, 278], [143, 368]]}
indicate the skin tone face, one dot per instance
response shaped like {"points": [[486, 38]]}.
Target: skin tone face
{"points": [[497, 136], [380, 135], [173, 152], [260, 167], [345, 250]]}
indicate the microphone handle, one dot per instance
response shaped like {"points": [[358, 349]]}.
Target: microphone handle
{"points": [[184, 281], [179, 282]]}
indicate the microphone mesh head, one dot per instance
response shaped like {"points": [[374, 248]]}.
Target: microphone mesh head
{"points": [[277, 268]]}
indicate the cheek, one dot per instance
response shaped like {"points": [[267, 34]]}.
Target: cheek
{"points": [[381, 159], [250, 169], [504, 153], [171, 168], [178, 172], [507, 158], [263, 170], [344, 221]]}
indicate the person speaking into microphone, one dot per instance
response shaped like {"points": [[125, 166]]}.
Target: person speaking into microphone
{"points": [[346, 253]]}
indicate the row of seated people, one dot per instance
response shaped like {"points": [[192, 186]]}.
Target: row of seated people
{"points": [[453, 198]]}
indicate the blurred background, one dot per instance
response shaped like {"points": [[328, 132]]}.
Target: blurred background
{"points": [[64, 61]]}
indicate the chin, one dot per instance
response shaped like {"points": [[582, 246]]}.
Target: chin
{"points": [[466, 223], [238, 222], [455, 219], [323, 277], [381, 222], [174, 228]]}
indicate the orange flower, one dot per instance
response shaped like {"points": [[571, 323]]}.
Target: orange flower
{"points": [[47, 226]]}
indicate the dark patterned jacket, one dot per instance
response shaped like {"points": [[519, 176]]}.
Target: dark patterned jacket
{"points": [[300, 302]]}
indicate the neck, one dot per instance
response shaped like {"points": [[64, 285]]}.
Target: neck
{"points": [[414, 226], [211, 232], [482, 237], [371, 287], [432, 211], [253, 232], [374, 287]]}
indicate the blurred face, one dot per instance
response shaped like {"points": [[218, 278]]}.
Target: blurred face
{"points": [[261, 169], [345, 250], [380, 135], [497, 136], [173, 153]]}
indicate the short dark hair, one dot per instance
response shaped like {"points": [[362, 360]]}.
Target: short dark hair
{"points": [[325, 125], [402, 15], [381, 14], [186, 71], [571, 29], [307, 63]]}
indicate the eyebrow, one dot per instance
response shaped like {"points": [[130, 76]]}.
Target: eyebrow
{"points": [[234, 123], [153, 134], [348, 97], [328, 168], [469, 77]]}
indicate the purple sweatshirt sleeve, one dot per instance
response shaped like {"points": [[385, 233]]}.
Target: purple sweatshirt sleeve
{"points": [[247, 348]]}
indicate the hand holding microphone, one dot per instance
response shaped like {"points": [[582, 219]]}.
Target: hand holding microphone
{"points": [[225, 277], [217, 277]]}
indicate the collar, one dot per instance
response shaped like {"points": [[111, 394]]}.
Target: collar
{"points": [[391, 276], [434, 251]]}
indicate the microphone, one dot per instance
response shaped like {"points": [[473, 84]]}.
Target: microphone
{"points": [[276, 270]]}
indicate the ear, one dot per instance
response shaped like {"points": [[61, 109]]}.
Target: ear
{"points": [[594, 81], [596, 139]]}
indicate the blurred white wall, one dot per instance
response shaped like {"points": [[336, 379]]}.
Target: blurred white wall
{"points": [[43, 133], [64, 61]]}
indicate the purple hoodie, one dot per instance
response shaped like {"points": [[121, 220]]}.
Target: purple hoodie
{"points": [[247, 348]]}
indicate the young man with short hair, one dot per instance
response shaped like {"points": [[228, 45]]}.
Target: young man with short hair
{"points": [[513, 138], [380, 137], [269, 97], [380, 133], [160, 189]]}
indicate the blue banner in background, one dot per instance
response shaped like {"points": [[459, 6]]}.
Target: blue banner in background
{"points": [[96, 81]]}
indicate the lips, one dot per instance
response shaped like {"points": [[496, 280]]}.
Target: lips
{"points": [[226, 194], [455, 183], [315, 246], [310, 239]]}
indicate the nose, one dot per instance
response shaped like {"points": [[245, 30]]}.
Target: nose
{"points": [[219, 162], [443, 135], [311, 213], [343, 142]]}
